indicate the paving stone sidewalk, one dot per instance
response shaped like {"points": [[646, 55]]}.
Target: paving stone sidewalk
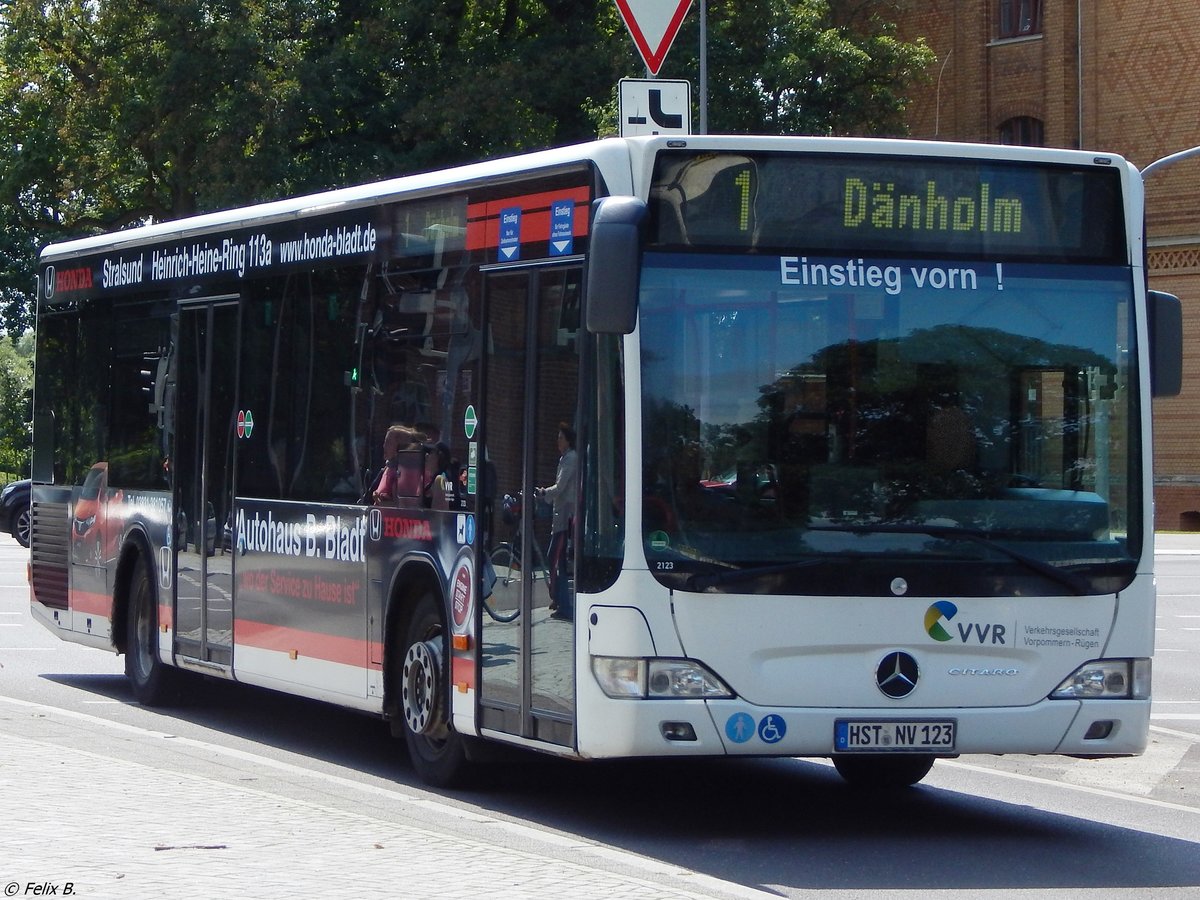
{"points": [[88, 825]]}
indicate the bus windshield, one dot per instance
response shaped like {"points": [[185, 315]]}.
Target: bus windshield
{"points": [[811, 422]]}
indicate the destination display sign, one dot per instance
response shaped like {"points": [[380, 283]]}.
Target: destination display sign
{"points": [[913, 206], [229, 255]]}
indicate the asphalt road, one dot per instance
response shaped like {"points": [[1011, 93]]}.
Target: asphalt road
{"points": [[978, 826]]}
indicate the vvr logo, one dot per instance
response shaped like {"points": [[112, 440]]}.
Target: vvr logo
{"points": [[938, 617]]}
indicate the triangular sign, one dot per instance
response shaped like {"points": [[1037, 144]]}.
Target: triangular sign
{"points": [[653, 25]]}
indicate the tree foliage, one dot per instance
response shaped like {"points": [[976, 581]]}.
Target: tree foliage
{"points": [[113, 114], [16, 387], [804, 66]]}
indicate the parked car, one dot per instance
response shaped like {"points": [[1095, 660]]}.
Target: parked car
{"points": [[14, 510]]}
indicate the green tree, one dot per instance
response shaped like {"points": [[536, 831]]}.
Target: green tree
{"points": [[430, 83], [16, 386], [803, 66], [19, 246], [116, 113]]}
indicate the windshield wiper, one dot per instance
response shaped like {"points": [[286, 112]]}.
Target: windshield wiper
{"points": [[713, 579], [1075, 583], [1069, 580]]}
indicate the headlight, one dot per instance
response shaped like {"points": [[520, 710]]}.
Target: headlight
{"points": [[1107, 679], [620, 677], [635, 678]]}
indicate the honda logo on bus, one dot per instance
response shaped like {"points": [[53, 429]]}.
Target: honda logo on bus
{"points": [[897, 675]]}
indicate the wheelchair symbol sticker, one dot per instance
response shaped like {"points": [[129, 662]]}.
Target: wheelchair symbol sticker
{"points": [[739, 728], [772, 729]]}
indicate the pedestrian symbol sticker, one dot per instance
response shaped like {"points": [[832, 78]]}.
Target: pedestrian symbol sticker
{"points": [[739, 728], [772, 729]]}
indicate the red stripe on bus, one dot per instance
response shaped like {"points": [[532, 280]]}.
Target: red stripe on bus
{"points": [[483, 219], [89, 602], [309, 644], [462, 671]]}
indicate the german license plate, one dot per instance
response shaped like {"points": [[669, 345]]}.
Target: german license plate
{"points": [[886, 735]]}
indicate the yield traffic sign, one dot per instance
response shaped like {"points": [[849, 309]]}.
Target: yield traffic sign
{"points": [[653, 25]]}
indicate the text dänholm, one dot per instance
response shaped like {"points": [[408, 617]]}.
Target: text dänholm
{"points": [[880, 206]]}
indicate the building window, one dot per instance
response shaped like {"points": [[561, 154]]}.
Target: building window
{"points": [[1019, 18], [1023, 130]]}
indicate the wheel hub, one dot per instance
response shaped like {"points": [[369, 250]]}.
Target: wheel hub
{"points": [[419, 692]]}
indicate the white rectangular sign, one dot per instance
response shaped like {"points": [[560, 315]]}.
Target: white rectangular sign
{"points": [[655, 106]]}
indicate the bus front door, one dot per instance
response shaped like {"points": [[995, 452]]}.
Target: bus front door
{"points": [[531, 387], [202, 465]]}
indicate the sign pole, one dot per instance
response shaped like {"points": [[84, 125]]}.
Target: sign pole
{"points": [[654, 106]]}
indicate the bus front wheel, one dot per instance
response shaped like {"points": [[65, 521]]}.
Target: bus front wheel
{"points": [[878, 770], [438, 753]]}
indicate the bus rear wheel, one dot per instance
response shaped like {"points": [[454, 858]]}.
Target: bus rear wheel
{"points": [[884, 771], [438, 753], [154, 683]]}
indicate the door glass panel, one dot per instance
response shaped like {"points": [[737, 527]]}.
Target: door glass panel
{"points": [[187, 463], [531, 489], [556, 472], [502, 482], [203, 476], [218, 477]]}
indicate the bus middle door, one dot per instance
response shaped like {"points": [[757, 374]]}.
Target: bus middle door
{"points": [[202, 465]]}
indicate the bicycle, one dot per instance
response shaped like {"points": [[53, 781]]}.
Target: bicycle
{"points": [[499, 603]]}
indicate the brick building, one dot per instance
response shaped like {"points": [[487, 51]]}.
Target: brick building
{"points": [[1113, 75]]}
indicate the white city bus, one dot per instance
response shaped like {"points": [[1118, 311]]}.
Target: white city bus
{"points": [[849, 442]]}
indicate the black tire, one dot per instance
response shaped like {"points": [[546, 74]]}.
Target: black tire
{"points": [[883, 771], [20, 526], [154, 684], [438, 753], [508, 572]]}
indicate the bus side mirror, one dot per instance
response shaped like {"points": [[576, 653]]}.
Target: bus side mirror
{"points": [[614, 265], [1166, 343]]}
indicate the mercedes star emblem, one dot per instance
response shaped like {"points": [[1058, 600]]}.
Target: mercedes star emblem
{"points": [[897, 675]]}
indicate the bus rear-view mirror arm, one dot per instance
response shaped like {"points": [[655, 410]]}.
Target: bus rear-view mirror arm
{"points": [[614, 265]]}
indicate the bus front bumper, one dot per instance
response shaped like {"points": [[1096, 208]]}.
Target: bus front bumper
{"points": [[655, 728]]}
